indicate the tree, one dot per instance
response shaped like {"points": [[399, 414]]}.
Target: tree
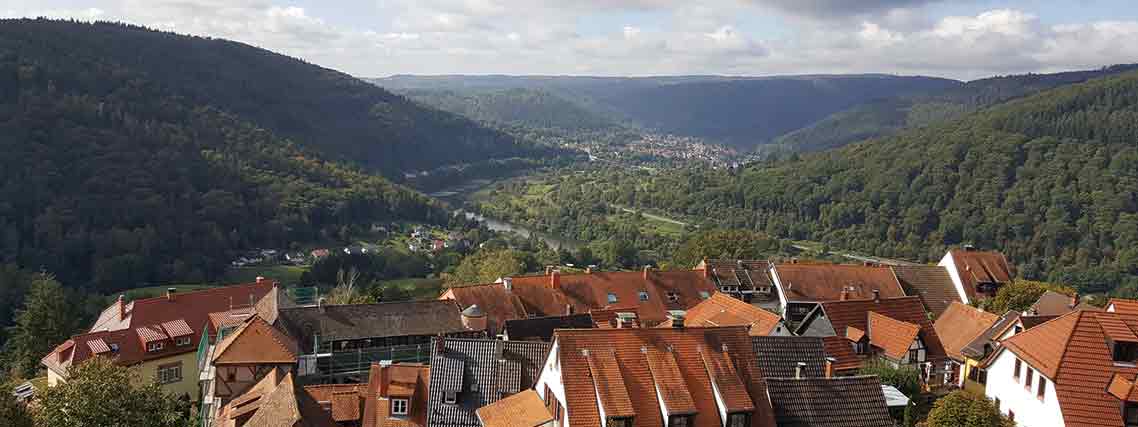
{"points": [[726, 244], [905, 378], [486, 266], [47, 319], [963, 409], [347, 291], [99, 393], [1020, 295], [12, 413]]}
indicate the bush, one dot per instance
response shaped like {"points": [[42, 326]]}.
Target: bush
{"points": [[964, 409]]}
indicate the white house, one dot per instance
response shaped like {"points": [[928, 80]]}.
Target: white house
{"points": [[976, 274]]}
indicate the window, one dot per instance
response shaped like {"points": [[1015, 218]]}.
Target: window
{"points": [[182, 341], [738, 420], [169, 373], [1125, 352], [1131, 415], [674, 297], [450, 397], [612, 298], [680, 421], [230, 375], [620, 422], [114, 347], [1015, 373], [978, 375], [1030, 375], [399, 406], [642, 295], [860, 347], [154, 346], [1042, 392], [914, 356]]}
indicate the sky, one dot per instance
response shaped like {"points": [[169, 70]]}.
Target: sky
{"points": [[962, 39]]}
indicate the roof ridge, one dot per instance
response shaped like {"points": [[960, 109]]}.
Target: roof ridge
{"points": [[1033, 331], [1067, 339], [200, 291]]}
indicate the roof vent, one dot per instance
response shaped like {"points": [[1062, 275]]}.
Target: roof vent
{"points": [[876, 295], [170, 294], [798, 370]]}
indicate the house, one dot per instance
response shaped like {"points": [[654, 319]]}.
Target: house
{"points": [[976, 274], [241, 359], [978, 353], [158, 337], [894, 330], [1052, 303], [343, 340], [958, 327], [524, 409], [650, 293], [748, 280], [677, 376], [824, 402], [790, 357], [277, 400], [467, 374], [541, 328], [932, 283], [396, 395], [724, 310], [1074, 370], [802, 286]]}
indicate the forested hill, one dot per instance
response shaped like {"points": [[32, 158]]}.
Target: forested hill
{"points": [[742, 111], [1051, 180], [325, 110], [114, 178], [525, 107], [889, 116]]}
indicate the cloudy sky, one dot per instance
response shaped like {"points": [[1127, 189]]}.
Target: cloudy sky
{"points": [[963, 39]]}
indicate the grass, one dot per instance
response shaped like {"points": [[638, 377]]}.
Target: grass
{"points": [[157, 291], [418, 288], [286, 274]]}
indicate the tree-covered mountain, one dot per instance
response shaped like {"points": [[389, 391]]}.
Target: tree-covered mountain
{"points": [[1051, 180], [335, 114], [515, 107], [741, 111], [889, 116], [124, 161]]}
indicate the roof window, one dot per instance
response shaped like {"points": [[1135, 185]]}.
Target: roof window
{"points": [[642, 295], [612, 298]]}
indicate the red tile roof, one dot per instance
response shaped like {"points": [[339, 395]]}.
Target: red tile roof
{"points": [[524, 409], [856, 313], [256, 343], [609, 383], [1124, 306], [976, 267], [125, 325], [825, 282], [841, 350], [893, 336], [669, 380], [930, 282], [275, 401], [177, 328], [559, 294], [959, 325], [401, 380], [1073, 352], [724, 310], [699, 357]]}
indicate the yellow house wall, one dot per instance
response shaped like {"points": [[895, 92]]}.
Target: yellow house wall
{"points": [[972, 386], [53, 379], [148, 371]]}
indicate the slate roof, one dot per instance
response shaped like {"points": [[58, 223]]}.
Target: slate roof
{"points": [[124, 328], [856, 313], [541, 328], [724, 310], [474, 368], [930, 282], [829, 402], [746, 274], [976, 267], [360, 321], [525, 409], [1073, 352], [723, 355], [778, 357], [960, 325], [825, 282]]}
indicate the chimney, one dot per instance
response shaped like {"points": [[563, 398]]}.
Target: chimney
{"points": [[794, 260], [845, 293], [647, 269], [589, 269], [1074, 301], [706, 269], [320, 304], [830, 367], [170, 294], [508, 284], [261, 279], [122, 307], [555, 280], [548, 270], [876, 295], [383, 374], [798, 370]]}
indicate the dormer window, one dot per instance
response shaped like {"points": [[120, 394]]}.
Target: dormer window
{"points": [[154, 346], [612, 298], [450, 397], [642, 295], [1125, 352], [739, 419], [679, 421], [399, 406], [860, 347], [182, 341], [620, 422]]}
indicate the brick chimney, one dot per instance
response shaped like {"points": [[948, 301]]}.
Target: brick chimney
{"points": [[647, 269], [261, 279], [830, 367], [122, 307], [508, 284], [383, 380], [170, 294], [876, 295], [1074, 301], [555, 280]]}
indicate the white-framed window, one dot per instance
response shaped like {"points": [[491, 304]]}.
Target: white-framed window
{"points": [[399, 406], [450, 397], [169, 373], [154, 346], [182, 341]]}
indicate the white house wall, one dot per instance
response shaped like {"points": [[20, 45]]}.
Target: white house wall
{"points": [[551, 378], [1029, 410], [950, 264]]}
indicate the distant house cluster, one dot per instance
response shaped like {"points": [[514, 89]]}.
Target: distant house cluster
{"points": [[728, 343]]}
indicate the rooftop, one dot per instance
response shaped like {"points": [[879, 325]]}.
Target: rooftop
{"points": [[479, 372], [932, 283], [899, 311], [829, 402], [826, 282], [723, 310], [525, 409], [361, 321], [778, 357], [960, 325]]}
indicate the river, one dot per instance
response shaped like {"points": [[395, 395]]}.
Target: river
{"points": [[457, 195]]}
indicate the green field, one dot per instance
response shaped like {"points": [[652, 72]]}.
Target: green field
{"points": [[285, 274]]}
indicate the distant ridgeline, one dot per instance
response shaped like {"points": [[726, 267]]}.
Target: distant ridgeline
{"points": [[131, 156]]}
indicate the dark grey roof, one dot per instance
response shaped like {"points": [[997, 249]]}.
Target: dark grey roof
{"points": [[779, 356], [541, 328], [829, 402], [482, 371], [815, 324], [932, 283], [983, 343], [746, 274], [359, 321], [473, 311]]}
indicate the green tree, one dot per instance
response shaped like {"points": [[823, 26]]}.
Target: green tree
{"points": [[1020, 295], [486, 266], [47, 319], [12, 413], [964, 409], [725, 244], [99, 393], [905, 378]]}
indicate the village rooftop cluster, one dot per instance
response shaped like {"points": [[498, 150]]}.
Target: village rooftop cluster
{"points": [[729, 343]]}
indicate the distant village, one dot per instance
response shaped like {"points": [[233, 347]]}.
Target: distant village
{"points": [[725, 343], [419, 239]]}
